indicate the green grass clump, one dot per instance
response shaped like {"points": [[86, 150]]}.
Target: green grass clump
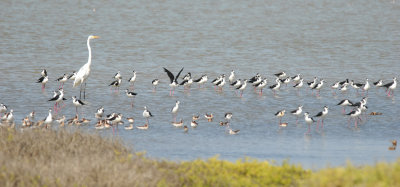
{"points": [[37, 157]]}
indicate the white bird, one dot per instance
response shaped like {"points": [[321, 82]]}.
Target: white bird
{"points": [[366, 86], [132, 79], [175, 109], [231, 76], [3, 109], [99, 113], [84, 71], [155, 83], [49, 119], [117, 75]]}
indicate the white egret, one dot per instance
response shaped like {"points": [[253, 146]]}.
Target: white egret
{"points": [[84, 71]]}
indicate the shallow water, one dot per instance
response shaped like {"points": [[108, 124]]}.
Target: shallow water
{"points": [[332, 40]]}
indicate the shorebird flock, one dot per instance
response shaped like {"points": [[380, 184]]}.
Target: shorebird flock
{"points": [[256, 84]]}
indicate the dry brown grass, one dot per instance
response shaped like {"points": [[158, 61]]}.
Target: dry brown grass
{"points": [[59, 158]]}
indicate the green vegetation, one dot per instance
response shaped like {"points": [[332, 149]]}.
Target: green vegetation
{"points": [[37, 157]]}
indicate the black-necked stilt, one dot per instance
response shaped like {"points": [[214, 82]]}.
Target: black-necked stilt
{"points": [[255, 82], [334, 86], [345, 82], [378, 83], [276, 86], [77, 103], [318, 86], [99, 113], [186, 83], [32, 115], [391, 86], [280, 75], [187, 76], [72, 76], [228, 116], [343, 88], [355, 115], [344, 103], [261, 85], [62, 80], [297, 112], [43, 80], [236, 83], [255, 78], [43, 73], [132, 79], [280, 114], [296, 78], [221, 83], [9, 117], [366, 87], [118, 75], [175, 109], [147, 114], [309, 120], [321, 116], [203, 79], [173, 79], [155, 83], [116, 84], [58, 98], [130, 95], [299, 85], [242, 87], [231, 76], [356, 86], [285, 81], [312, 83], [216, 80]]}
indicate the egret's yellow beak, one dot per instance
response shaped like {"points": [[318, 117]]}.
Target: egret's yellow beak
{"points": [[95, 37]]}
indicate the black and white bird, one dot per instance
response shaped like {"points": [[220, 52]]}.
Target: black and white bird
{"points": [[261, 85], [391, 86], [43, 73], [3, 109], [309, 120], [297, 112], [62, 80], [343, 88], [116, 84], [203, 79], [280, 74], [72, 76], [231, 76], [187, 76], [335, 86], [296, 78], [355, 115], [276, 86], [228, 116], [147, 114], [58, 97], [132, 79], [130, 95], [43, 80], [280, 114], [312, 83], [99, 113], [173, 79], [77, 103], [175, 109], [286, 80], [321, 116], [318, 86], [221, 83], [378, 83], [299, 85], [344, 103], [9, 116], [117, 75], [236, 83], [255, 78], [187, 82], [242, 87], [155, 83]]}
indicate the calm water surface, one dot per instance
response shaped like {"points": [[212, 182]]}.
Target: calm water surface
{"points": [[332, 40]]}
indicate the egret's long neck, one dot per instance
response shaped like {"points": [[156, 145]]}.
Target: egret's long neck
{"points": [[90, 52]]}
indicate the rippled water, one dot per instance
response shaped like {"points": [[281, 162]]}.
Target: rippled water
{"points": [[333, 40]]}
